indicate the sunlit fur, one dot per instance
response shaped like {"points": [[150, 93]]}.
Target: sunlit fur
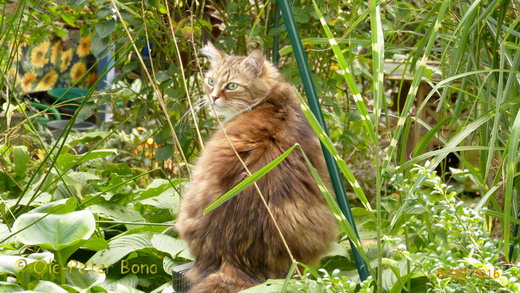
{"points": [[237, 245]]}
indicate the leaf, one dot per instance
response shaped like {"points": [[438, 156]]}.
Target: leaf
{"points": [[118, 212], [249, 180], [175, 247], [54, 231], [125, 284], [269, 286], [120, 247], [61, 206], [20, 158], [105, 28], [46, 286], [65, 161], [84, 277], [163, 153]]}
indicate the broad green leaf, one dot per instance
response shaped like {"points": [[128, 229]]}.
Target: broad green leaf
{"points": [[65, 161], [249, 180], [21, 159], [61, 206], [175, 247], [126, 284], [118, 212], [105, 27], [84, 277], [121, 246], [10, 287], [54, 231], [46, 286]]}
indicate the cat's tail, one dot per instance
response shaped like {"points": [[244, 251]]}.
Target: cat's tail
{"points": [[228, 279]]}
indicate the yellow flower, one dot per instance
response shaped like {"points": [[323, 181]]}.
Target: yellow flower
{"points": [[66, 57], [77, 71], [48, 81], [56, 50], [27, 81], [83, 47], [38, 53]]}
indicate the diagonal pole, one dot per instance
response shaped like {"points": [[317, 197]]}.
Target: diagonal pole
{"points": [[310, 91]]}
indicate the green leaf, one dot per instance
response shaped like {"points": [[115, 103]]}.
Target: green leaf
{"points": [[61, 206], [105, 28], [163, 153], [118, 212], [121, 246], [175, 247], [65, 161], [249, 180], [68, 18], [46, 286], [54, 231], [21, 159]]}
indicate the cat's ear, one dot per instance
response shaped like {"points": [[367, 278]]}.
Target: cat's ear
{"points": [[212, 53], [254, 63]]}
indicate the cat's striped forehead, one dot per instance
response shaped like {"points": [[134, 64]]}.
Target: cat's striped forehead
{"points": [[227, 68]]}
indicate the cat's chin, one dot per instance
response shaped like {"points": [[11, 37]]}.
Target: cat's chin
{"points": [[225, 112]]}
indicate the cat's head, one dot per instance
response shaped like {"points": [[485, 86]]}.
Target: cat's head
{"points": [[235, 84]]}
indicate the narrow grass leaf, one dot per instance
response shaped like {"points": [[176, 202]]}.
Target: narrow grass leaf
{"points": [[248, 181], [349, 78], [417, 78], [330, 147], [510, 166], [344, 224]]}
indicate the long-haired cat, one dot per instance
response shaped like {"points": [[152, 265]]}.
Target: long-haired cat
{"points": [[237, 246]]}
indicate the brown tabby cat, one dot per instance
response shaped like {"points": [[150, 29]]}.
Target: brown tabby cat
{"points": [[237, 245]]}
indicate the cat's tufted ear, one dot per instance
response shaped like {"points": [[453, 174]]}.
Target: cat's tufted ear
{"points": [[254, 63], [212, 53]]}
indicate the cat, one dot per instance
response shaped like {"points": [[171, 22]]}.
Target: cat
{"points": [[237, 246]]}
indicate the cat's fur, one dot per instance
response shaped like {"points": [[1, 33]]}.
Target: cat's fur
{"points": [[237, 246]]}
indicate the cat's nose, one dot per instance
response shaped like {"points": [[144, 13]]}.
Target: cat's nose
{"points": [[214, 98]]}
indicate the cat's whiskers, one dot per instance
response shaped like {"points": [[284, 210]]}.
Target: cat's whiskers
{"points": [[197, 106]]}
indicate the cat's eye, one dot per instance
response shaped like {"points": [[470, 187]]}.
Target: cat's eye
{"points": [[231, 86], [211, 81]]}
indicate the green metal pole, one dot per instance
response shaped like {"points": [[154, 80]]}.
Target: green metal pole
{"points": [[310, 90], [276, 40]]}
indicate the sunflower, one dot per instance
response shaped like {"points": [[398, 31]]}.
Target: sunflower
{"points": [[27, 81], [83, 47], [77, 71], [38, 53], [56, 50], [48, 81], [66, 57]]}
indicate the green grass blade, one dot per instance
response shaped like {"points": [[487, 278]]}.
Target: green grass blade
{"points": [[349, 78], [325, 140], [248, 181], [510, 168], [415, 83], [344, 224]]}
